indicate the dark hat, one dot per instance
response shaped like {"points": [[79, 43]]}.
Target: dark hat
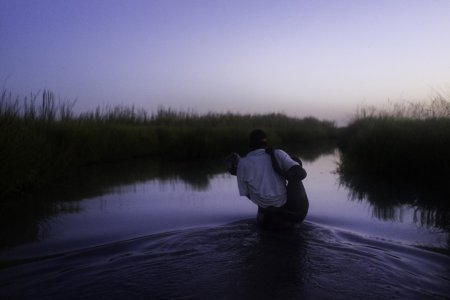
{"points": [[258, 139]]}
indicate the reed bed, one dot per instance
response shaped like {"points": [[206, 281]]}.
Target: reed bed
{"points": [[406, 148], [43, 141]]}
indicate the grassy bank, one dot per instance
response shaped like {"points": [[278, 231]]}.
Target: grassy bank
{"points": [[401, 156], [43, 141], [408, 142]]}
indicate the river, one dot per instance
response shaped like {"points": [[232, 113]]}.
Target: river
{"points": [[155, 230]]}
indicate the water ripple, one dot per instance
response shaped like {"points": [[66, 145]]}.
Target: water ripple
{"points": [[235, 261]]}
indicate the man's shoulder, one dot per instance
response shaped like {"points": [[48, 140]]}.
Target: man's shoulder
{"points": [[281, 153], [284, 156]]}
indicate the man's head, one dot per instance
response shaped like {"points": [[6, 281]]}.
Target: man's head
{"points": [[258, 139]]}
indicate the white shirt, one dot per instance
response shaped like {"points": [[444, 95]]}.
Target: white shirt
{"points": [[257, 179]]}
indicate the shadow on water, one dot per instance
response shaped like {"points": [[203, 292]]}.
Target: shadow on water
{"points": [[430, 201], [24, 220], [271, 265]]}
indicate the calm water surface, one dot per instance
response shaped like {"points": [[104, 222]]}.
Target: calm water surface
{"points": [[181, 231]]}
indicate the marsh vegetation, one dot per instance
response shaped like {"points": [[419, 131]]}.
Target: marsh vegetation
{"points": [[400, 157], [410, 141], [43, 141], [152, 216]]}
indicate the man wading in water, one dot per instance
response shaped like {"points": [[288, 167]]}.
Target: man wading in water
{"points": [[272, 180]]}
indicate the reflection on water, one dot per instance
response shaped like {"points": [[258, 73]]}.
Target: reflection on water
{"points": [[313, 151], [389, 199], [151, 195], [29, 217], [154, 229]]}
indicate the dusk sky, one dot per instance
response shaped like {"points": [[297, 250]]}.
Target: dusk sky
{"points": [[304, 57]]}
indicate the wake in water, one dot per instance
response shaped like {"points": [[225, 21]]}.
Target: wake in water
{"points": [[235, 261]]}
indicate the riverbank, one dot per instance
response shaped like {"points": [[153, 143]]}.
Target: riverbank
{"points": [[400, 157], [408, 142], [44, 142]]}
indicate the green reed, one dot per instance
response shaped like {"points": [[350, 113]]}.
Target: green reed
{"points": [[400, 157], [410, 141], [43, 141]]}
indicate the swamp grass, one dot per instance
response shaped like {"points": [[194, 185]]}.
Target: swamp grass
{"points": [[410, 141], [43, 142], [400, 157]]}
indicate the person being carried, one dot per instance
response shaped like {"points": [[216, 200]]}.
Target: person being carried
{"points": [[272, 180]]}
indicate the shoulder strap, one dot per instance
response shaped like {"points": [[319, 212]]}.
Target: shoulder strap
{"points": [[275, 165]]}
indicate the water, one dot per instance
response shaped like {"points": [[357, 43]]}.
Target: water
{"points": [[156, 230]]}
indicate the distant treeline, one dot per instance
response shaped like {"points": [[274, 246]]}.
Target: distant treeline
{"points": [[43, 141]]}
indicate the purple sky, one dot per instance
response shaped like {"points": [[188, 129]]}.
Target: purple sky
{"points": [[321, 58]]}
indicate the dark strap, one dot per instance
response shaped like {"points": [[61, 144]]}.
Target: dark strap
{"points": [[275, 165], [294, 173]]}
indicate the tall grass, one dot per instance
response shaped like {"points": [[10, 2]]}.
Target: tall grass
{"points": [[400, 156], [42, 140], [410, 141], [437, 108]]}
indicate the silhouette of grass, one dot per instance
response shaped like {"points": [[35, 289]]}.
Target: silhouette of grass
{"points": [[409, 142], [43, 141]]}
